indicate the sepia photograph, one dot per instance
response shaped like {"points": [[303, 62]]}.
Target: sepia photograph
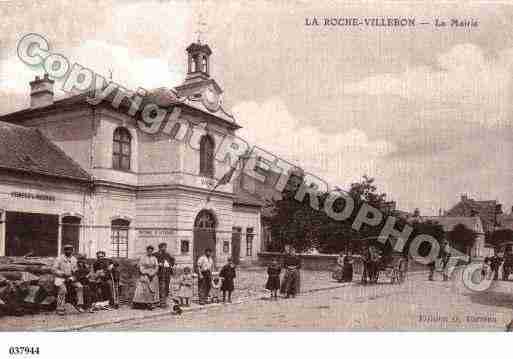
{"points": [[241, 166]]}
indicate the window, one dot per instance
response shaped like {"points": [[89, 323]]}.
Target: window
{"points": [[226, 247], [205, 220], [249, 241], [121, 151], [184, 246], [207, 156], [196, 63], [119, 238], [204, 65]]}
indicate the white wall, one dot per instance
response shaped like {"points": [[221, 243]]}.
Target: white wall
{"points": [[70, 198], [246, 217]]}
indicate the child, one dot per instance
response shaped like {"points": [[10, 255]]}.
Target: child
{"points": [[273, 281], [216, 288], [228, 274], [185, 290]]}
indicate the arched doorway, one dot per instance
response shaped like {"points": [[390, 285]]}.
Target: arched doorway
{"points": [[204, 234]]}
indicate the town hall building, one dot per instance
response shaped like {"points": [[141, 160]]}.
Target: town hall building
{"points": [[72, 172]]}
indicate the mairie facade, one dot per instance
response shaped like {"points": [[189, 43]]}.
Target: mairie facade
{"points": [[73, 172]]}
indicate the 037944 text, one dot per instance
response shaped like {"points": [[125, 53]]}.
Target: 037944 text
{"points": [[23, 350]]}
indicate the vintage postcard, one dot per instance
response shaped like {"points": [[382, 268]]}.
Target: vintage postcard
{"points": [[255, 166]]}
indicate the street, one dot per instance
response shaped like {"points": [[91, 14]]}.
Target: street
{"points": [[415, 305]]}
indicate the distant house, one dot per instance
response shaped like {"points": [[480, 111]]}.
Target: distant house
{"points": [[506, 220], [473, 223], [488, 211]]}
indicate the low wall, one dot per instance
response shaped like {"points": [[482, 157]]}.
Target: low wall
{"points": [[328, 262], [308, 261]]}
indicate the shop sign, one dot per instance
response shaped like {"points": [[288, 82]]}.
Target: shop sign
{"points": [[28, 195], [156, 232]]}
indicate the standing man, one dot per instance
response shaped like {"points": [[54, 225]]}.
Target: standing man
{"points": [[445, 255], [166, 264], [106, 279], [205, 268], [507, 266], [64, 269], [494, 262]]}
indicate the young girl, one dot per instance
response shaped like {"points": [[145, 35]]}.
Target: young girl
{"points": [[228, 274], [185, 290], [273, 281], [216, 288]]}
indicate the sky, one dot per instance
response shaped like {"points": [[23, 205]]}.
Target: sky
{"points": [[425, 111]]}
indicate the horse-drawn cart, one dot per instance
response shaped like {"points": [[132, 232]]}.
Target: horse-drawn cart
{"points": [[379, 260]]}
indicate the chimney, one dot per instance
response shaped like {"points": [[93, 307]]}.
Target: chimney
{"points": [[41, 92]]}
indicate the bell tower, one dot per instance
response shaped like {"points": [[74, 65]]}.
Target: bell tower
{"points": [[200, 90], [198, 79], [198, 61]]}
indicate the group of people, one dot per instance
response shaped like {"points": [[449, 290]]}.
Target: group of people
{"points": [[440, 262], [500, 262], [224, 282], [344, 269], [85, 285], [156, 270], [73, 275], [290, 285]]}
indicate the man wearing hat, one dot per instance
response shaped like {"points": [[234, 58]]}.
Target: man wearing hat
{"points": [[166, 264], [107, 280], [65, 268], [205, 267]]}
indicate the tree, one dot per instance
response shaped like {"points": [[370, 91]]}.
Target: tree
{"points": [[462, 238], [434, 229], [366, 191], [298, 224]]}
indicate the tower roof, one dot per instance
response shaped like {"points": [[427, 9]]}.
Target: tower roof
{"points": [[199, 47]]}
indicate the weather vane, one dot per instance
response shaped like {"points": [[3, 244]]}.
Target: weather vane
{"points": [[200, 24]]}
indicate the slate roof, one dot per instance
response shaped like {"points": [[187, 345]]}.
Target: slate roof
{"points": [[27, 149], [486, 210]]}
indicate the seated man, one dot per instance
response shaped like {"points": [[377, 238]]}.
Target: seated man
{"points": [[65, 268], [107, 280]]}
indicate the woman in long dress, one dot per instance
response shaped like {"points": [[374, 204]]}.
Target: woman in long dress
{"points": [[147, 290], [291, 284]]}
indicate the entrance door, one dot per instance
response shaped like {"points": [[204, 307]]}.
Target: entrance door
{"points": [[70, 231], [236, 238], [204, 235], [31, 234]]}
